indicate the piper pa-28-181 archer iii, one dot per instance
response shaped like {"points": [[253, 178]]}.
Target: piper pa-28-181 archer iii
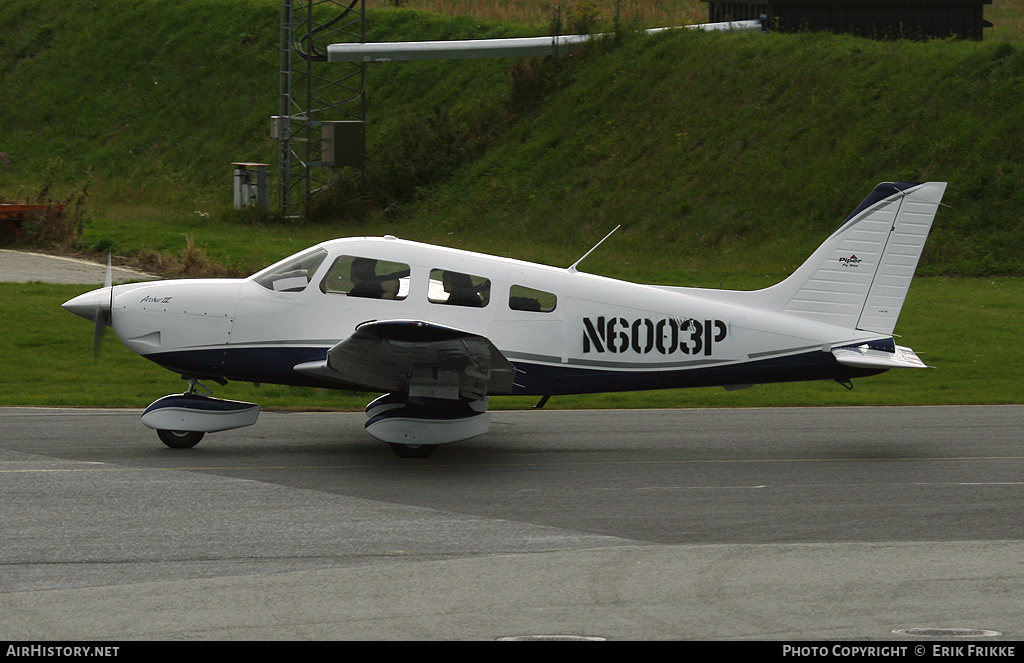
{"points": [[440, 330]]}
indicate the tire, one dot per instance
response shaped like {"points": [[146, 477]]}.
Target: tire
{"points": [[180, 439], [406, 451]]}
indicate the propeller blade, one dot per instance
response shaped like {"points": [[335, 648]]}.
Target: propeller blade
{"points": [[103, 315], [102, 321]]}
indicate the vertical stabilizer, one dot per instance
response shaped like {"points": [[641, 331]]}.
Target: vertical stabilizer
{"points": [[858, 279]]}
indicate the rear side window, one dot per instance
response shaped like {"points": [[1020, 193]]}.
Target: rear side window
{"points": [[521, 298], [458, 289], [356, 276]]}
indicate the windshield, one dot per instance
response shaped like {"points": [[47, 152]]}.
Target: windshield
{"points": [[291, 274]]}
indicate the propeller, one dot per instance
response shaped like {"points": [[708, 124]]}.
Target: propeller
{"points": [[103, 314], [95, 306]]}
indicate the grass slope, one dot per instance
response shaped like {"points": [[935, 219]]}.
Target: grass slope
{"points": [[716, 152], [752, 147], [150, 95]]}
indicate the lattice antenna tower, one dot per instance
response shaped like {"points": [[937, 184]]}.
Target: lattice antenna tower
{"points": [[319, 101]]}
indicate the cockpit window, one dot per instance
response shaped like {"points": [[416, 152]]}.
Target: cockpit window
{"points": [[521, 298], [367, 277], [291, 274], [458, 289]]}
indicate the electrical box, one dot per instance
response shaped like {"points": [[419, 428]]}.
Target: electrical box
{"points": [[251, 184], [343, 143], [280, 127]]}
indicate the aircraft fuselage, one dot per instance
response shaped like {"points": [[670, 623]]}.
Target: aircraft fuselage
{"points": [[565, 331]]}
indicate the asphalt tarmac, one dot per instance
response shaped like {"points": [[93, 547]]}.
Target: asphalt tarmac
{"points": [[763, 524], [25, 267]]}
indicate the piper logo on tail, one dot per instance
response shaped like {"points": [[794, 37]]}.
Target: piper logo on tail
{"points": [[852, 261]]}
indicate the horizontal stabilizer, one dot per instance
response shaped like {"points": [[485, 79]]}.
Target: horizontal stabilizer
{"points": [[865, 357]]}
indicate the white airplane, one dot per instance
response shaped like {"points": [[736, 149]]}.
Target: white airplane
{"points": [[439, 330]]}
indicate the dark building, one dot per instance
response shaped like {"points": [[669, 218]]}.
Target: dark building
{"points": [[878, 19]]}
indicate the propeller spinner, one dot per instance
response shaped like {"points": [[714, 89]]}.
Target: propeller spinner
{"points": [[96, 306]]}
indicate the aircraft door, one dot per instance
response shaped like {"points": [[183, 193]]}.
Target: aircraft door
{"points": [[530, 316]]}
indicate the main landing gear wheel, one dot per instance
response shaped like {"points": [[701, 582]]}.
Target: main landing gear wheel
{"points": [[409, 451], [180, 439]]}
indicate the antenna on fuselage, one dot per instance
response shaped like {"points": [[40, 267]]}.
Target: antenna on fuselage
{"points": [[572, 268]]}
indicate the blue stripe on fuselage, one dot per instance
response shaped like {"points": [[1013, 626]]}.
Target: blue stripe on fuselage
{"points": [[273, 365], [269, 364], [564, 379]]}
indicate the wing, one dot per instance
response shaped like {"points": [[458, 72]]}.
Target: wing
{"points": [[419, 358]]}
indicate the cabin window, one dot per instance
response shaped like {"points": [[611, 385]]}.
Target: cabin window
{"points": [[521, 298], [356, 276], [291, 274], [458, 289]]}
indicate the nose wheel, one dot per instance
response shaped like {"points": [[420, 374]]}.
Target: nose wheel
{"points": [[411, 451], [180, 439]]}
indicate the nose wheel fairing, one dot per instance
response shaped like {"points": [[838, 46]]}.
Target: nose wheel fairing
{"points": [[181, 419]]}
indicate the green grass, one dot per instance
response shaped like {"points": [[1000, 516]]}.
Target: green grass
{"points": [[715, 152], [965, 328]]}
